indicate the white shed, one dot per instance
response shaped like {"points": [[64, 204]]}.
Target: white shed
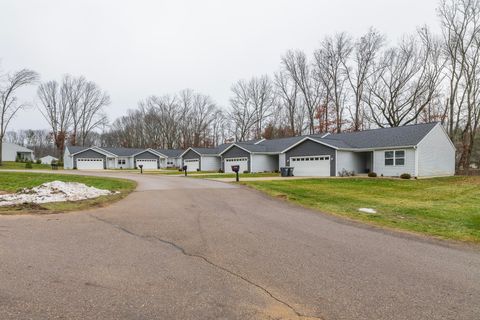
{"points": [[48, 159]]}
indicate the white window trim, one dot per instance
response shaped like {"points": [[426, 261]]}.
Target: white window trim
{"points": [[395, 158]]}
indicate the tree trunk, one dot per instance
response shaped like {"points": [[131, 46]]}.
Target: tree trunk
{"points": [[1, 148]]}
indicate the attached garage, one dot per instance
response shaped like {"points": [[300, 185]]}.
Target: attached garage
{"points": [[148, 164], [311, 158], [318, 166], [235, 156], [89, 159], [148, 159], [90, 164], [229, 162], [192, 164]]}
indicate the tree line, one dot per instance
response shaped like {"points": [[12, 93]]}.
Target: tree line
{"points": [[347, 84]]}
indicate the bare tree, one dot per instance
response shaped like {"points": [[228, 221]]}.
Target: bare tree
{"points": [[93, 100], [262, 97], [242, 111], [56, 111], [297, 67], [288, 95], [362, 66], [9, 104], [330, 59], [405, 82], [460, 21]]}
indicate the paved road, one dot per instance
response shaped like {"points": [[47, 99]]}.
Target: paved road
{"points": [[181, 248]]}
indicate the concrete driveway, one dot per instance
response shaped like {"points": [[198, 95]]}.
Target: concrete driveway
{"points": [[181, 248]]}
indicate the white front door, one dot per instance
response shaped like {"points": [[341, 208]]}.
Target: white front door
{"points": [[89, 163], [192, 164], [311, 166], [229, 162], [148, 164]]}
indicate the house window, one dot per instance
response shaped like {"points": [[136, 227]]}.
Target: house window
{"points": [[121, 161], [395, 158]]}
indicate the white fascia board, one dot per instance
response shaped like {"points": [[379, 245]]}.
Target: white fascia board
{"points": [[311, 139], [231, 146], [96, 149], [260, 141], [107, 153], [186, 151], [149, 150]]}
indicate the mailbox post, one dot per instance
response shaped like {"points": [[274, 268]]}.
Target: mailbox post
{"points": [[236, 169], [141, 168], [185, 170]]}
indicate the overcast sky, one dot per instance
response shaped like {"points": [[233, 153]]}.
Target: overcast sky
{"points": [[134, 49]]}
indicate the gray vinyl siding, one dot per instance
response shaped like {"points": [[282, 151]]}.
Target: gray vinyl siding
{"points": [[236, 152], [436, 154], [89, 154], [147, 155], [264, 162], [192, 155], [210, 163], [394, 171], [310, 148]]}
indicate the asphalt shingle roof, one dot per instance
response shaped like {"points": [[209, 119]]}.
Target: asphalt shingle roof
{"points": [[171, 153], [404, 136], [384, 137]]}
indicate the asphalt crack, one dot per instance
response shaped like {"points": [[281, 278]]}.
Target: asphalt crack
{"points": [[206, 260]]}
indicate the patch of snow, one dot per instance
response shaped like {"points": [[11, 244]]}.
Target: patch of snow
{"points": [[55, 191], [367, 210]]}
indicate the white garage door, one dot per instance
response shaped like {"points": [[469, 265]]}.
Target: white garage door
{"points": [[192, 164], [229, 162], [148, 163], [89, 163], [315, 166]]}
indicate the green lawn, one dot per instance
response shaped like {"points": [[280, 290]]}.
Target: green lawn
{"points": [[442, 207], [241, 175], [14, 181], [20, 165]]}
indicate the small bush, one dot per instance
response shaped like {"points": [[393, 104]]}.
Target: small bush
{"points": [[372, 174], [276, 171], [198, 169], [246, 171], [28, 165], [60, 164], [38, 161], [346, 173], [220, 171], [405, 176]]}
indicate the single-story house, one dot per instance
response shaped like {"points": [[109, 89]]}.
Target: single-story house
{"points": [[48, 159], [202, 159], [420, 150], [174, 159], [12, 152], [96, 158]]}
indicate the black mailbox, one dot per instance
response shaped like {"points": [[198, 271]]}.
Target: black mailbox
{"points": [[235, 169], [185, 170], [141, 168]]}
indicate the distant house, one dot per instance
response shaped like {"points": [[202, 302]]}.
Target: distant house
{"points": [[48, 159], [174, 159], [97, 158], [12, 152]]}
